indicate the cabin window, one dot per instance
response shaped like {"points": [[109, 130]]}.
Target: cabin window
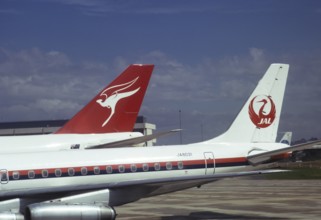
{"points": [[71, 171], [169, 166], [180, 165], [44, 173], [58, 172], [157, 166], [121, 168], [145, 167], [4, 176], [109, 169], [83, 171], [96, 170], [133, 167], [31, 174], [15, 175]]}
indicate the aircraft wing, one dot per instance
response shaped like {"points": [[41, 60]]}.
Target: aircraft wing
{"points": [[132, 141], [128, 191], [262, 157], [197, 178], [153, 187], [134, 189]]}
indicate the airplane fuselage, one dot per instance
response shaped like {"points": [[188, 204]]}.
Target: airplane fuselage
{"points": [[60, 172], [54, 142]]}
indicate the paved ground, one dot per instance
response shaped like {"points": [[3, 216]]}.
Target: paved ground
{"points": [[232, 199]]}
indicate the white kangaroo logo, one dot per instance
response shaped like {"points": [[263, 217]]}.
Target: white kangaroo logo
{"points": [[111, 101]]}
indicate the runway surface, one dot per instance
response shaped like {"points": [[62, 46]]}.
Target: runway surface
{"points": [[232, 199]]}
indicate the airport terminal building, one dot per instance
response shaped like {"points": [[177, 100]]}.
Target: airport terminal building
{"points": [[50, 126]]}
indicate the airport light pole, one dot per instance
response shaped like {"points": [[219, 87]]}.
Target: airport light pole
{"points": [[202, 131], [180, 126]]}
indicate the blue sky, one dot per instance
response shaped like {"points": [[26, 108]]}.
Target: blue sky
{"points": [[56, 54]]}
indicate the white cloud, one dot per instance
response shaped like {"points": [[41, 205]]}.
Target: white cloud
{"points": [[256, 54], [31, 77], [55, 105], [101, 8]]}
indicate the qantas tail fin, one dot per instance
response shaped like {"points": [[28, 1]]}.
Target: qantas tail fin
{"points": [[116, 107], [259, 118]]}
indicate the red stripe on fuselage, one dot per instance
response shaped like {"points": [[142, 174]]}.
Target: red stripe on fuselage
{"points": [[186, 163]]}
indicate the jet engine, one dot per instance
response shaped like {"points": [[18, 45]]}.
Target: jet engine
{"points": [[11, 216], [58, 211]]}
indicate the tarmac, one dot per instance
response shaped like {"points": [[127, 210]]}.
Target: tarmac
{"points": [[232, 199]]}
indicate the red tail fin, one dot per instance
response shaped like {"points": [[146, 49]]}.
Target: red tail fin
{"points": [[116, 107]]}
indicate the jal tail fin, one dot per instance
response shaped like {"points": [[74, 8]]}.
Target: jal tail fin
{"points": [[287, 138], [116, 107], [259, 118]]}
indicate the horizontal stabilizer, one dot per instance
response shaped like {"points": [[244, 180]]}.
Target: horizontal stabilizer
{"points": [[262, 157], [133, 141]]}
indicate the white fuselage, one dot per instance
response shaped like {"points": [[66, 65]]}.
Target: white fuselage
{"points": [[62, 171], [54, 142]]}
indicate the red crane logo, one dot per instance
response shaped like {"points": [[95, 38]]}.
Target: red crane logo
{"points": [[262, 115]]}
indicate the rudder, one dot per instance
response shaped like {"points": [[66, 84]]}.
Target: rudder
{"points": [[116, 107], [259, 118]]}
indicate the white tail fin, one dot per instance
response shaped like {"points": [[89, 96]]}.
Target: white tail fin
{"points": [[259, 118], [287, 138]]}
